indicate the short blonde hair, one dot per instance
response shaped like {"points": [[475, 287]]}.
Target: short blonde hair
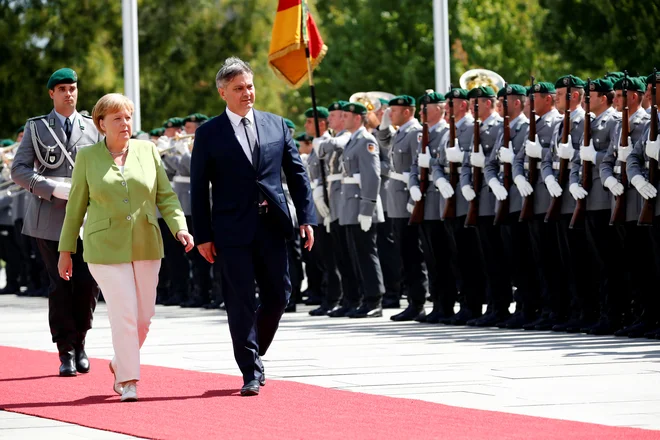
{"points": [[110, 103]]}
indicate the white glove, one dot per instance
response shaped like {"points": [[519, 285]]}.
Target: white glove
{"points": [[468, 193], [365, 222], [499, 190], [524, 187], [566, 151], [163, 142], [444, 187], [415, 193], [588, 153], [316, 144], [614, 186], [653, 149], [319, 201], [624, 152], [577, 191], [506, 154], [478, 159], [326, 223], [385, 121], [410, 208], [454, 154], [424, 160], [643, 187], [62, 190], [554, 188], [534, 149]]}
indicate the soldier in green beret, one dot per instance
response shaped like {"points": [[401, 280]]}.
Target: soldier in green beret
{"points": [[156, 133], [292, 127], [192, 122], [19, 133]]}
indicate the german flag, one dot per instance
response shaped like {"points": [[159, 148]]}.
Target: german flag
{"points": [[287, 46]]}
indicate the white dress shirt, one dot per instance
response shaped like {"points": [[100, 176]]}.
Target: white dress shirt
{"points": [[240, 132], [72, 118]]}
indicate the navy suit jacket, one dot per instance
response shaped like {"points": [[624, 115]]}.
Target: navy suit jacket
{"points": [[218, 158]]}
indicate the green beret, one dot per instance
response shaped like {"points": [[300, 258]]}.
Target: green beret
{"points": [[304, 137], [434, 98], [355, 107], [601, 85], [289, 123], [633, 84], [21, 129], [173, 122], [643, 80], [157, 132], [7, 142], [569, 80], [402, 100], [62, 76], [384, 101], [337, 105], [512, 89], [649, 79], [614, 76], [457, 93], [322, 112], [544, 87], [481, 92], [196, 117]]}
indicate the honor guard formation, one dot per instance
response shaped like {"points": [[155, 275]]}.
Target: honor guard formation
{"points": [[488, 194]]}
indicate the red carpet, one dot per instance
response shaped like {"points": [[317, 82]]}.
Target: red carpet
{"points": [[180, 404]]}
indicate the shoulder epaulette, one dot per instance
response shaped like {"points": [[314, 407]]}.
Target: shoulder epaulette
{"points": [[38, 117], [86, 116]]}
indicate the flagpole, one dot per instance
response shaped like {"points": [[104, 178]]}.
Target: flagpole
{"points": [[312, 89]]}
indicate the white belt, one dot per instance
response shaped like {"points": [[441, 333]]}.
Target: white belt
{"points": [[617, 169], [405, 177], [350, 180], [447, 169], [333, 178], [59, 179], [538, 165], [555, 165], [181, 179], [314, 183], [285, 187]]}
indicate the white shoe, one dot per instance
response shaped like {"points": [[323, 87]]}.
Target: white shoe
{"points": [[130, 393], [117, 387]]}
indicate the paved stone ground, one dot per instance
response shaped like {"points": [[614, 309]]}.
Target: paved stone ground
{"points": [[603, 380]]}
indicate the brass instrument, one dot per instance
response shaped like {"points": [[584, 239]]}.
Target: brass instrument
{"points": [[481, 77], [371, 100]]}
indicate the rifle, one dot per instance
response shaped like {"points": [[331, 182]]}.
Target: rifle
{"points": [[587, 167], [503, 206], [527, 211], [450, 203], [555, 205], [417, 215], [619, 212], [473, 208], [648, 209]]}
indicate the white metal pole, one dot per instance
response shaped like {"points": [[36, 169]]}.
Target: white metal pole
{"points": [[441, 45], [131, 58]]}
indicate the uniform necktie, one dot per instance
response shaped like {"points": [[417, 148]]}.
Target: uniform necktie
{"points": [[67, 128], [252, 142]]}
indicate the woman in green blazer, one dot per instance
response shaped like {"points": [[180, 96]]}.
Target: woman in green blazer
{"points": [[119, 183]]}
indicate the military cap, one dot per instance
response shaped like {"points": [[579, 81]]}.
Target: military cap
{"points": [[402, 100], [62, 76], [512, 89], [322, 112], [355, 107], [633, 84], [289, 123], [457, 93], [643, 80], [481, 92], [601, 86], [196, 117], [544, 87], [173, 122], [384, 101], [304, 137], [157, 132], [337, 105], [569, 80], [613, 76], [6, 142], [21, 129], [649, 79], [434, 98]]}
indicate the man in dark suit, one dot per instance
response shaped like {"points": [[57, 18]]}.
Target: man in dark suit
{"points": [[242, 153]]}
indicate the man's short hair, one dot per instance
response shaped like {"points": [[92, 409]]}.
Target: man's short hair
{"points": [[232, 67]]}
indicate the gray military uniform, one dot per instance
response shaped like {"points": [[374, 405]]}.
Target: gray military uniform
{"points": [[433, 198], [489, 132], [331, 150], [611, 167], [603, 130], [361, 158], [38, 160], [545, 128], [440, 167], [637, 162], [519, 130], [314, 172]]}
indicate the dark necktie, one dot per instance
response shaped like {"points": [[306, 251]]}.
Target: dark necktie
{"points": [[67, 128], [252, 142]]}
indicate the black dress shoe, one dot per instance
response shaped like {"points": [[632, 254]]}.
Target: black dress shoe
{"points": [[574, 325], [432, 318], [319, 311], [367, 312], [462, 317], [642, 329], [602, 328], [546, 324], [342, 312], [82, 363], [314, 301], [251, 388], [409, 314], [491, 319], [291, 307], [519, 321], [67, 362]]}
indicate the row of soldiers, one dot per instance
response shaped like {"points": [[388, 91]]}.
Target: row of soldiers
{"points": [[594, 276]]}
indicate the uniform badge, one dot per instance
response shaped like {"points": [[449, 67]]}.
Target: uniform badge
{"points": [[51, 158], [592, 87], [400, 101], [509, 90], [352, 108], [371, 147], [479, 92], [457, 93], [170, 125], [419, 137], [537, 87], [567, 80], [51, 122]]}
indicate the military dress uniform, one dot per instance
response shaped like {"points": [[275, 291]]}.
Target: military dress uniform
{"points": [[40, 163], [360, 196], [435, 244], [9, 249], [403, 146]]}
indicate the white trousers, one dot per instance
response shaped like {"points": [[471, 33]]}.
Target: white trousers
{"points": [[129, 290]]}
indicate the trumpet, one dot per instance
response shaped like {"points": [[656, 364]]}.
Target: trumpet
{"points": [[180, 136]]}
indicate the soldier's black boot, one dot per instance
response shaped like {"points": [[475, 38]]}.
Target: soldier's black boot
{"points": [[82, 362], [409, 314], [67, 359]]}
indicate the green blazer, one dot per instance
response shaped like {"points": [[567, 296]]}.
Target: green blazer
{"points": [[121, 224]]}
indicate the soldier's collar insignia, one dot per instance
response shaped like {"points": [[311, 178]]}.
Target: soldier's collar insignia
{"points": [[51, 122]]}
